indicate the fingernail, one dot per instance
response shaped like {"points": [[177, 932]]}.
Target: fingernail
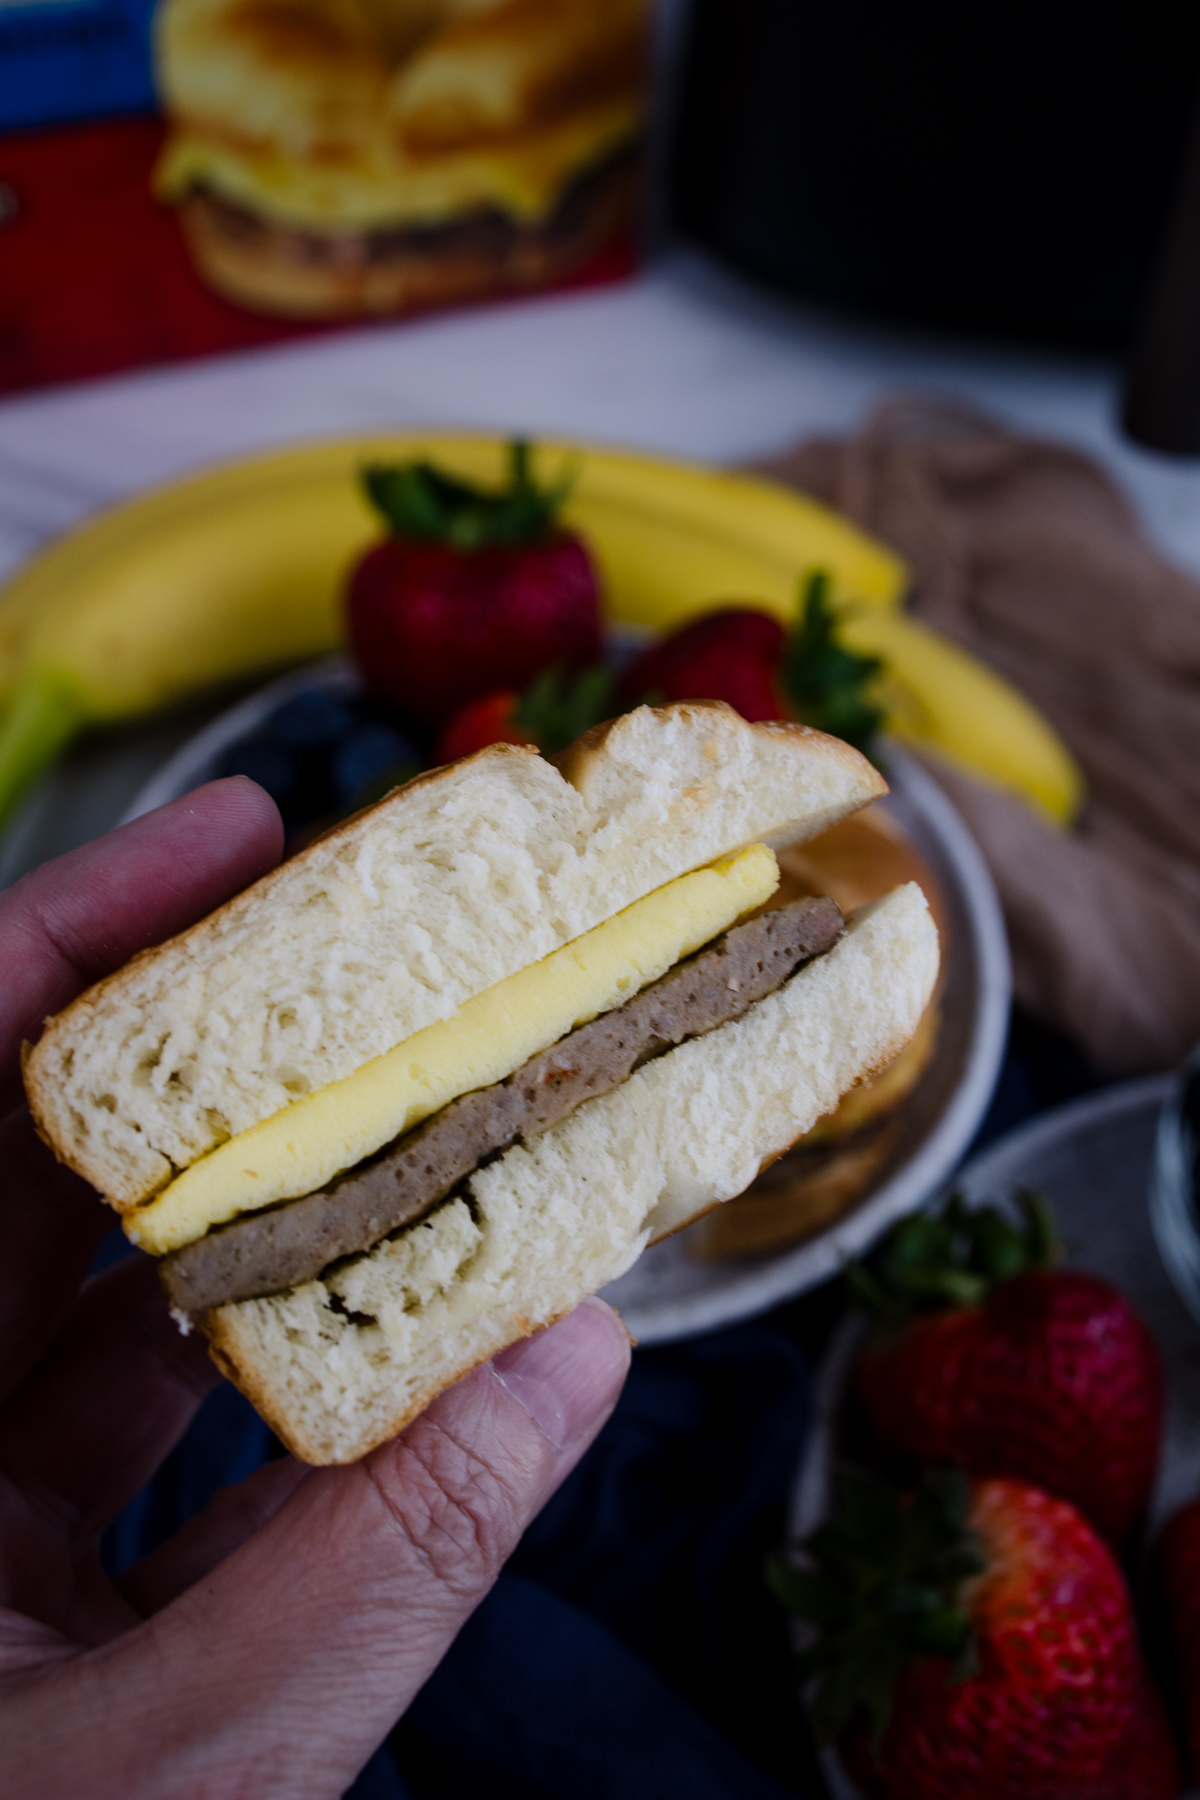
{"points": [[568, 1377]]}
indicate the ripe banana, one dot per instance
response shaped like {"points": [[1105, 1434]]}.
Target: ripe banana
{"points": [[240, 570], [940, 698]]}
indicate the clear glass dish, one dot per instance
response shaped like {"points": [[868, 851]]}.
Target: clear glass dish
{"points": [[1175, 1184]]}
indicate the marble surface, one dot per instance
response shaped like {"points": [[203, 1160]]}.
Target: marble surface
{"points": [[687, 360]]}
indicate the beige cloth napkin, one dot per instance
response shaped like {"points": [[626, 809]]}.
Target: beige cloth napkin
{"points": [[1026, 554]]}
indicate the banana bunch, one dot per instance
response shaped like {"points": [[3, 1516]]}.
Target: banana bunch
{"points": [[241, 570]]}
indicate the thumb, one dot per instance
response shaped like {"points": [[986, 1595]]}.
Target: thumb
{"points": [[282, 1670]]}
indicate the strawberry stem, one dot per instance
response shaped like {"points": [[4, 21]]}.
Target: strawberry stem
{"points": [[424, 504], [882, 1583], [825, 682], [556, 708], [954, 1257]]}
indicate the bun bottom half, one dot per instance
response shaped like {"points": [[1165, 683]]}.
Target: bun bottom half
{"points": [[285, 272], [802, 1194], [829, 1172], [344, 1362]]}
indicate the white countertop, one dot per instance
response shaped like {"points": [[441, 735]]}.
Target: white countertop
{"points": [[687, 360]]}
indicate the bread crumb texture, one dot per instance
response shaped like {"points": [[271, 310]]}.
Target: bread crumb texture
{"points": [[342, 1363], [399, 916]]}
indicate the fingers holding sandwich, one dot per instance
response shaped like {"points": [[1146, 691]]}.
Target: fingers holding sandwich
{"points": [[112, 1396], [75, 919], [565, 1379], [61, 927], [397, 1550], [288, 1659], [51, 1225], [232, 1516]]}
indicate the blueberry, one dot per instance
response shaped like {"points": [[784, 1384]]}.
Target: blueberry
{"points": [[265, 763], [310, 721], [375, 750]]}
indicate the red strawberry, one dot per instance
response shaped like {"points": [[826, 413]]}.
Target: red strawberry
{"points": [[552, 712], [977, 1645], [1147, 1765], [728, 655], [473, 592], [1046, 1375], [745, 657], [1177, 1565], [491, 720]]}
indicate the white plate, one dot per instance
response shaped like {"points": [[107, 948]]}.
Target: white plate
{"points": [[668, 1294]]}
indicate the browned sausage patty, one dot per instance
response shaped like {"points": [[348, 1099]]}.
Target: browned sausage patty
{"points": [[265, 1252]]}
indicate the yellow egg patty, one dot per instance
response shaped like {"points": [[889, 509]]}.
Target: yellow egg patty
{"points": [[303, 1147]]}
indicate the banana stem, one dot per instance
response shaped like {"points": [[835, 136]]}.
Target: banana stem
{"points": [[41, 719]]}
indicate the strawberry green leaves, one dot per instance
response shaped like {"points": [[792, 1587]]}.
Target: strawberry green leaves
{"points": [[952, 1257], [557, 707], [426, 505], [826, 683], [881, 1583]]}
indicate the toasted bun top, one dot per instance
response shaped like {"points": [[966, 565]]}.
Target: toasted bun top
{"points": [[361, 113], [394, 919]]}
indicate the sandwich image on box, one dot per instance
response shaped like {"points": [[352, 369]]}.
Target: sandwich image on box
{"points": [[334, 158], [424, 1087]]}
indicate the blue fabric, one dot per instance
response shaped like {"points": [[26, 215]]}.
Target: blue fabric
{"points": [[662, 1530], [537, 1699], [380, 1780]]}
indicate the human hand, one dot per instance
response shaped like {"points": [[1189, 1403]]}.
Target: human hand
{"points": [[269, 1646]]}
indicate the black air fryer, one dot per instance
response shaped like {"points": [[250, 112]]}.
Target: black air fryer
{"points": [[1007, 169]]}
